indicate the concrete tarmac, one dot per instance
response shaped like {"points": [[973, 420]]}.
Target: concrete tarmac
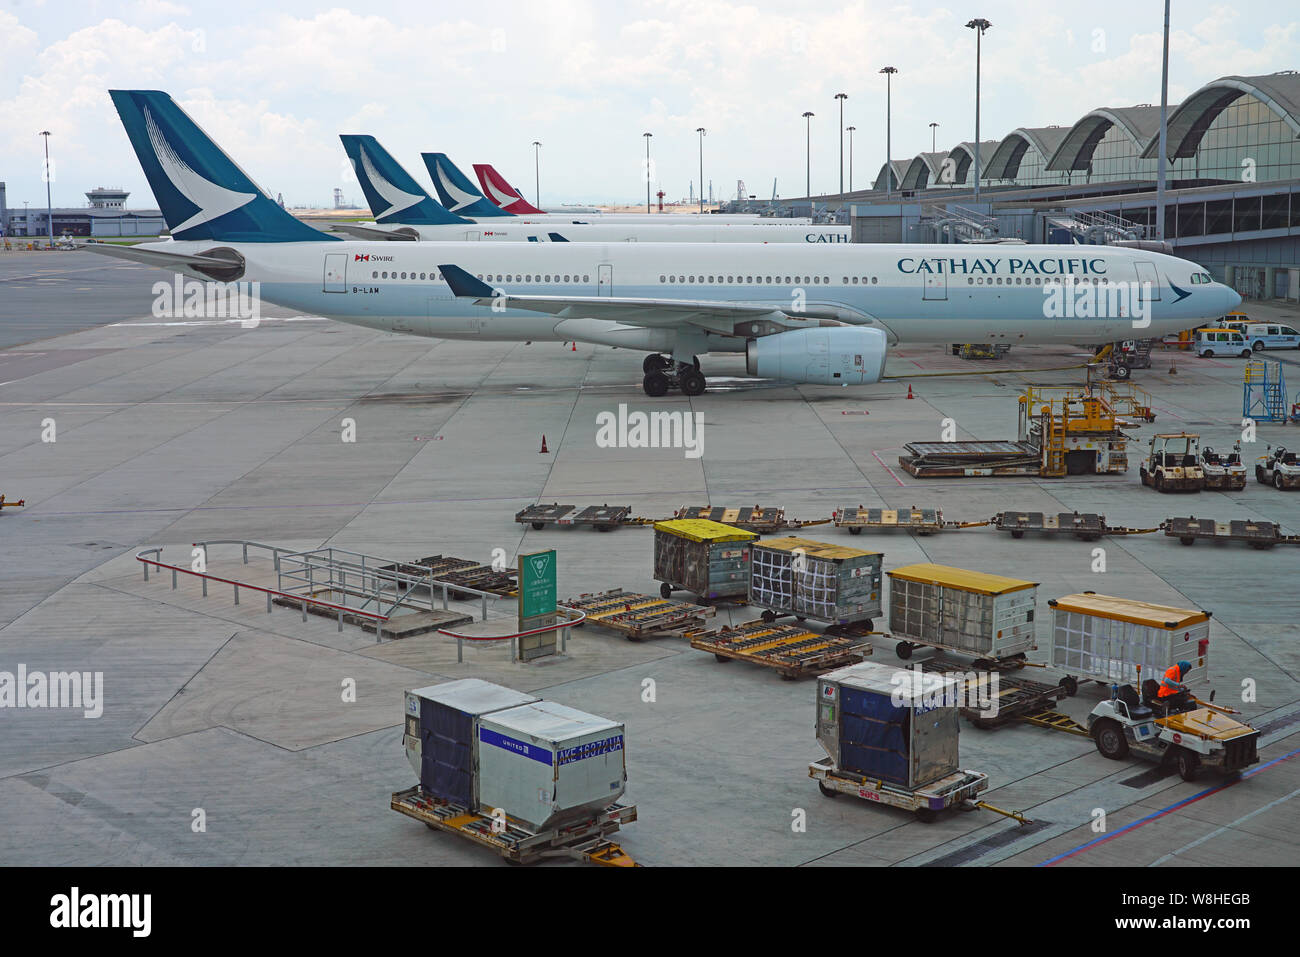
{"points": [[171, 431]]}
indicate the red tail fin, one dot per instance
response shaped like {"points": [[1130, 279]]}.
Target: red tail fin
{"points": [[500, 192]]}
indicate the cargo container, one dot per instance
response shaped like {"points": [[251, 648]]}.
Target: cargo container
{"points": [[704, 557], [808, 579], [896, 725], [1107, 638], [987, 616], [441, 731], [548, 765]]}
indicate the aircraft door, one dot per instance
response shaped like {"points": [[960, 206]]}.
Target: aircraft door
{"points": [[936, 286], [336, 265], [1146, 273], [605, 279]]}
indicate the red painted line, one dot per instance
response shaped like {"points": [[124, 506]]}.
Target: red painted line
{"points": [[888, 469]]}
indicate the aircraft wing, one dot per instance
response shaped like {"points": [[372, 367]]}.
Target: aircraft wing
{"points": [[157, 257], [716, 316], [362, 231]]}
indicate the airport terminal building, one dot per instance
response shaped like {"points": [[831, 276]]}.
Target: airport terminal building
{"points": [[1232, 200], [104, 216]]}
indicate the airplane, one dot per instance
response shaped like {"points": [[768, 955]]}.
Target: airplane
{"points": [[404, 211], [458, 195], [797, 313], [496, 188]]}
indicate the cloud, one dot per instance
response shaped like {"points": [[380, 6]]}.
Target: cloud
{"points": [[587, 79]]}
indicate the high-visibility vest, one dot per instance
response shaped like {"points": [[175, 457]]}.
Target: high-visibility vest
{"points": [[1172, 682]]}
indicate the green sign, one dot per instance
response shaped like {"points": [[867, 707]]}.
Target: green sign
{"points": [[537, 589]]}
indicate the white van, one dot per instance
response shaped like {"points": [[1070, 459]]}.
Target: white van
{"points": [[1271, 335], [1220, 342]]}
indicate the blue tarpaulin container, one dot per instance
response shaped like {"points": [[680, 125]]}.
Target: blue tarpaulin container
{"points": [[441, 726], [896, 725]]}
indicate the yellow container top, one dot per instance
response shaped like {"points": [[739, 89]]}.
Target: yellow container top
{"points": [[1130, 610], [981, 583], [704, 530], [814, 549]]}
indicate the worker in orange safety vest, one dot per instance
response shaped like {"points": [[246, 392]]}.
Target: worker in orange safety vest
{"points": [[1172, 687]]}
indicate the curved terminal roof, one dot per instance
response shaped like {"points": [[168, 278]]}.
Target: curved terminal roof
{"points": [[1005, 163], [963, 155], [1187, 124], [926, 169], [1138, 123], [900, 170]]}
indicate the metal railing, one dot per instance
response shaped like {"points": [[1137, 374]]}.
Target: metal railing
{"points": [[304, 586], [278, 554], [379, 584]]}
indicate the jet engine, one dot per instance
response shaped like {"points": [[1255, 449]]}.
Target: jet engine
{"points": [[840, 355]]}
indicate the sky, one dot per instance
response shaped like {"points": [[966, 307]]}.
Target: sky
{"points": [[274, 84]]}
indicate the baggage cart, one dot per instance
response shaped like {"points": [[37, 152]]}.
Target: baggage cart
{"points": [[639, 616], [704, 557], [989, 617], [1119, 640], [789, 650], [813, 580]]}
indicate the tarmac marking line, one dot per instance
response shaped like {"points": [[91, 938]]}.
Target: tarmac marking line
{"points": [[1226, 827], [1141, 822]]}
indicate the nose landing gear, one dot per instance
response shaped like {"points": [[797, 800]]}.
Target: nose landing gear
{"points": [[662, 374]]}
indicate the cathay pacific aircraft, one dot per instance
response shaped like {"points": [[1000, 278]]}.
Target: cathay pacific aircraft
{"points": [[462, 197], [404, 211], [797, 312], [496, 188]]}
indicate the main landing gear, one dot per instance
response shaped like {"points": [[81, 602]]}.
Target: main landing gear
{"points": [[662, 374]]}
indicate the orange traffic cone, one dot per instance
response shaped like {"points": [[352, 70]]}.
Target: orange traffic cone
{"points": [[544, 449], [909, 391]]}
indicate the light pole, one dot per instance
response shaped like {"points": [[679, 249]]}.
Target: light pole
{"points": [[934, 127], [49, 205], [808, 152], [537, 174], [841, 97], [979, 25], [647, 170], [851, 129], [1164, 108], [889, 72], [701, 130]]}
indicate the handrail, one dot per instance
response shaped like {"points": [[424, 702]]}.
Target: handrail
{"points": [[269, 592], [561, 626]]}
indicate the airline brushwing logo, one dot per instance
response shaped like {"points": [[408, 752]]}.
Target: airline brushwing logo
{"points": [[501, 199], [1181, 293], [396, 199], [212, 200], [460, 198]]}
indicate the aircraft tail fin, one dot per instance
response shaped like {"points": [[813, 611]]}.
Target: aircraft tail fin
{"points": [[202, 192], [391, 192], [502, 193], [456, 192]]}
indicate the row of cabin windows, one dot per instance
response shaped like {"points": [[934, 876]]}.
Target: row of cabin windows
{"points": [[769, 280], [531, 278], [413, 275], [806, 280], [486, 278], [1035, 280]]}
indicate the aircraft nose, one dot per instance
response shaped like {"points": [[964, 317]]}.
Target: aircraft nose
{"points": [[1233, 299]]}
